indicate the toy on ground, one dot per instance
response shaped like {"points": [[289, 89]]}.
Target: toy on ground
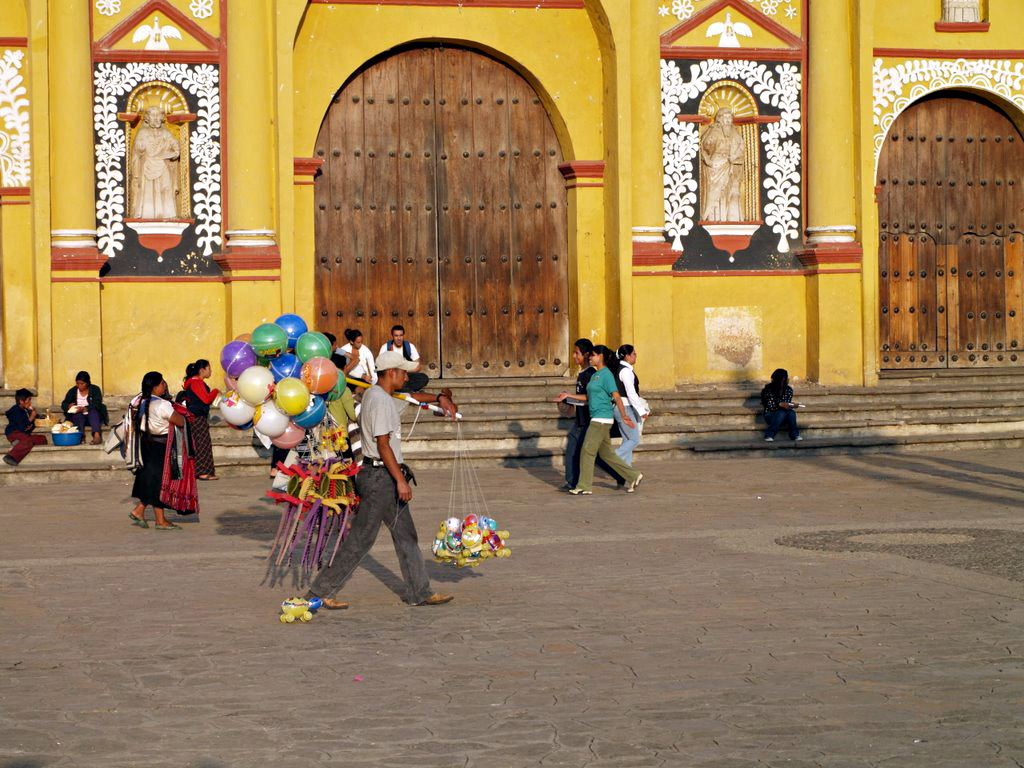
{"points": [[299, 608], [319, 503]]}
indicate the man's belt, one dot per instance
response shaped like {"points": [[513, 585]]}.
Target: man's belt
{"points": [[406, 472]]}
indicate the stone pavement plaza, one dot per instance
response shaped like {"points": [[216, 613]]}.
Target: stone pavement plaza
{"points": [[814, 611]]}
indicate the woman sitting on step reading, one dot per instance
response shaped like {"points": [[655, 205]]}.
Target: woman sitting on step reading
{"points": [[779, 408]]}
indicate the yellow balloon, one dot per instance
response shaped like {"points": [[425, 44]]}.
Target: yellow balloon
{"points": [[291, 396]]}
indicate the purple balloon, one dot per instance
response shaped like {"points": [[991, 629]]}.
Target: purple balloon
{"points": [[236, 357]]}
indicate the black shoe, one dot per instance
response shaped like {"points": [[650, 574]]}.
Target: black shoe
{"points": [[8, 459]]}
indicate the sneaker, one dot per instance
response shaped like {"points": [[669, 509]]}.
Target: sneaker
{"points": [[8, 459], [581, 492], [769, 439], [635, 484], [798, 438]]}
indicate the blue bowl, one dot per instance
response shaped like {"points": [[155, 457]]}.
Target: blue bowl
{"points": [[66, 438]]}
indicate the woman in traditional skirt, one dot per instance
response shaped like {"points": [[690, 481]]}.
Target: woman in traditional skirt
{"points": [[198, 398], [153, 418]]}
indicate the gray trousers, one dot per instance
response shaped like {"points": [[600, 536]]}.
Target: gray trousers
{"points": [[378, 503]]}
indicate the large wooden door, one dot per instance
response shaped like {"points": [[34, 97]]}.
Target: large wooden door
{"points": [[441, 207], [950, 251]]}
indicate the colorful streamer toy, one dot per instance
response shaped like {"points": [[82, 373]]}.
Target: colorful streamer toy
{"points": [[318, 504], [470, 541]]}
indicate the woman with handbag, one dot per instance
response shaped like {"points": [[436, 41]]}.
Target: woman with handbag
{"points": [[198, 398], [153, 421]]}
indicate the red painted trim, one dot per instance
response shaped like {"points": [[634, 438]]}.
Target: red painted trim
{"points": [[830, 253], [580, 185], [15, 191], [961, 26], [728, 54], [155, 6], [582, 169], [174, 57], [307, 166], [654, 255], [744, 9], [76, 259], [535, 4], [298, 183], [235, 258], [13, 42], [15, 202], [169, 279], [947, 53]]}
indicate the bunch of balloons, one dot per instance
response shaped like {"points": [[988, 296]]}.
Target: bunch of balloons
{"points": [[278, 380], [469, 541]]}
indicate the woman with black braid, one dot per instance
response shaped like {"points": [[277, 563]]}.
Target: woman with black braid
{"points": [[153, 417]]}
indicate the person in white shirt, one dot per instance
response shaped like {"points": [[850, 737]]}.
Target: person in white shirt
{"points": [[399, 343], [360, 358], [636, 406], [153, 419]]}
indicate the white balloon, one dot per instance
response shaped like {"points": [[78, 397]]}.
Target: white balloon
{"points": [[271, 420], [256, 384], [234, 410]]}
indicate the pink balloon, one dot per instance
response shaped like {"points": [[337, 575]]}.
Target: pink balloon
{"points": [[230, 383], [291, 437]]}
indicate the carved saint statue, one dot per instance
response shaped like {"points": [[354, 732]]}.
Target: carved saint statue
{"points": [[153, 169], [961, 10], [722, 156]]}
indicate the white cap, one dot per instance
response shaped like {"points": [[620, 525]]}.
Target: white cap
{"points": [[391, 358]]}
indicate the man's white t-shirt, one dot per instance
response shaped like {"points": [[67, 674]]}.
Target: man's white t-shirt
{"points": [[414, 353], [365, 368], [380, 414]]}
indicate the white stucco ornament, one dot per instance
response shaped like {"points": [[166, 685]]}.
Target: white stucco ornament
{"points": [[896, 86], [156, 35], [778, 87], [15, 154], [108, 7], [111, 83], [201, 9]]}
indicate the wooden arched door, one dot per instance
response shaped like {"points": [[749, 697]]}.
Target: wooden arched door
{"points": [[950, 250], [441, 207]]}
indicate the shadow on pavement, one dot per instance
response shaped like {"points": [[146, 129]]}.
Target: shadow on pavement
{"points": [[948, 477]]}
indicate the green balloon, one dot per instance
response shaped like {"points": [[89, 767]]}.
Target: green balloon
{"points": [[339, 388], [310, 345], [269, 340]]}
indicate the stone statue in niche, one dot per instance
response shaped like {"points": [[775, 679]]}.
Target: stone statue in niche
{"points": [[961, 10], [723, 157], [153, 169]]}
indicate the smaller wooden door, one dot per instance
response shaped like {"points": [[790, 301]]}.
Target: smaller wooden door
{"points": [[951, 216]]}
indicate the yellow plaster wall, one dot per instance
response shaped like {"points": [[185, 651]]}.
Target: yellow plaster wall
{"points": [[911, 24], [157, 327], [672, 325], [13, 18], [18, 299]]}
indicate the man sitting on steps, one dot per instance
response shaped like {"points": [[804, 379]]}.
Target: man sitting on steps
{"points": [[417, 380]]}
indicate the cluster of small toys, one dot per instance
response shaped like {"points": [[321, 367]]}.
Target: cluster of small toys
{"points": [[299, 608], [470, 541]]}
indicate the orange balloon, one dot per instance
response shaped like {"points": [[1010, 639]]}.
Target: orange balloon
{"points": [[320, 375], [246, 337]]}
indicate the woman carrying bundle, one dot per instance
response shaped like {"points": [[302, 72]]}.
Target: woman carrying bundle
{"points": [[153, 422]]}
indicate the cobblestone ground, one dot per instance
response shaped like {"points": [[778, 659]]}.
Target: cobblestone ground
{"points": [[832, 611]]}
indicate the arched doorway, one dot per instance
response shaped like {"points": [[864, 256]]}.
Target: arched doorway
{"points": [[951, 214], [441, 207]]}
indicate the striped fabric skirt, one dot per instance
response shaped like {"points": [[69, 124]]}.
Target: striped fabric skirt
{"points": [[202, 445]]}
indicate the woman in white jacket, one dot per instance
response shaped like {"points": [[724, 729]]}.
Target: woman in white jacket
{"points": [[636, 406]]}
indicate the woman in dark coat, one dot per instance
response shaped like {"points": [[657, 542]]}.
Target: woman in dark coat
{"points": [[83, 404]]}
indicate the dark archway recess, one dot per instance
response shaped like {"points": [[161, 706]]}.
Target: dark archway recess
{"points": [[951, 249], [441, 207]]}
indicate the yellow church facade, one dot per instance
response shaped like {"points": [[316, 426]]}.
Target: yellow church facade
{"points": [[729, 185]]}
